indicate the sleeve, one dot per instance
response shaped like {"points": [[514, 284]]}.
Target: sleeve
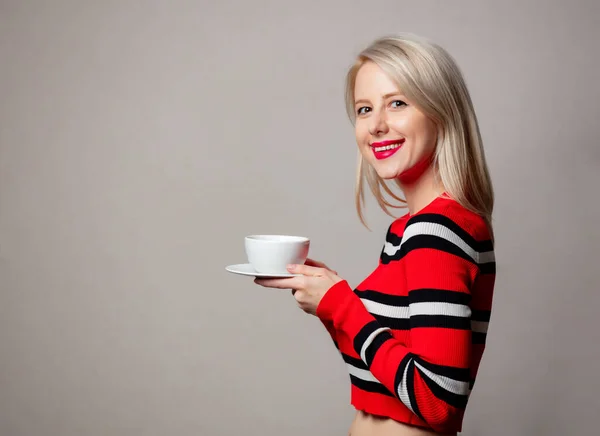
{"points": [[432, 375], [328, 323], [331, 329]]}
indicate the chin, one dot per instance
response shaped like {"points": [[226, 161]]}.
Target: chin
{"points": [[387, 169], [388, 175], [388, 172]]}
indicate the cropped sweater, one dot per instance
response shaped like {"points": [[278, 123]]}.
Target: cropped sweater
{"points": [[412, 334]]}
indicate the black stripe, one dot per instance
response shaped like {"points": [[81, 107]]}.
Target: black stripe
{"points": [[393, 323], [457, 401], [373, 348], [481, 315], [480, 246], [400, 372], [442, 321], [437, 243], [370, 386], [439, 295], [363, 334], [410, 387], [460, 374], [379, 297], [487, 268], [393, 238], [478, 338], [426, 241], [355, 361], [385, 258], [471, 383]]}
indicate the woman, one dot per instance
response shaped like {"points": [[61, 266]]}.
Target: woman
{"points": [[413, 332]]}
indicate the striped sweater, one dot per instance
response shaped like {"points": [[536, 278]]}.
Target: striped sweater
{"points": [[413, 332]]}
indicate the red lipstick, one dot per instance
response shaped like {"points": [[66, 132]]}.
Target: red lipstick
{"points": [[391, 147]]}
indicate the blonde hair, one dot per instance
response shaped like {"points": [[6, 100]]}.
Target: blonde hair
{"points": [[430, 78]]}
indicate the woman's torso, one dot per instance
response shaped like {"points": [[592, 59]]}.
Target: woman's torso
{"points": [[365, 424]]}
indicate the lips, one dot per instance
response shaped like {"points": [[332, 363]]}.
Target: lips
{"points": [[385, 149]]}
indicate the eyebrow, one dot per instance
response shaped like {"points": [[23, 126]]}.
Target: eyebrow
{"points": [[386, 96]]}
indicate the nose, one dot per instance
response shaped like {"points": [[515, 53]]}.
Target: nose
{"points": [[378, 123]]}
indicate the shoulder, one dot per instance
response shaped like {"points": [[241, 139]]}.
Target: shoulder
{"points": [[447, 226], [397, 225], [447, 215]]}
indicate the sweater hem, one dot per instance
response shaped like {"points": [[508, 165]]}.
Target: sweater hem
{"points": [[388, 407]]}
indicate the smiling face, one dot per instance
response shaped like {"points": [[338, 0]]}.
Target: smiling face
{"points": [[394, 137]]}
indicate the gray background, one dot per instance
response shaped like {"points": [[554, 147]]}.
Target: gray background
{"points": [[141, 141]]}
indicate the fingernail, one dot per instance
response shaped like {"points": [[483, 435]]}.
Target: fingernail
{"points": [[291, 266]]}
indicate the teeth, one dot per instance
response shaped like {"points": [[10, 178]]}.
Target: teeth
{"points": [[387, 147]]}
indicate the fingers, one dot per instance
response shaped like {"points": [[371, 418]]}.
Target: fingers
{"points": [[298, 282], [312, 262], [306, 270], [291, 283], [301, 298], [316, 263]]}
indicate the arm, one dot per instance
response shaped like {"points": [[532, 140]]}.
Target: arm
{"points": [[326, 322], [331, 329], [432, 376]]}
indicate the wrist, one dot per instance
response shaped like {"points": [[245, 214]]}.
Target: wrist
{"points": [[331, 301]]}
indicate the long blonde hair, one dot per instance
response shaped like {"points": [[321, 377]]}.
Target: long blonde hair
{"points": [[430, 78]]}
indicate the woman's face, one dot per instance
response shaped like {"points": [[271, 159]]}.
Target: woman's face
{"points": [[394, 137]]}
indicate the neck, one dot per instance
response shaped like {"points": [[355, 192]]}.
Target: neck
{"points": [[422, 191]]}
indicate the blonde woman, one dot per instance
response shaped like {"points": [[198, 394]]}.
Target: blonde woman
{"points": [[413, 332]]}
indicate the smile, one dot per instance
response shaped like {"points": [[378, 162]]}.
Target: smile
{"points": [[385, 149]]}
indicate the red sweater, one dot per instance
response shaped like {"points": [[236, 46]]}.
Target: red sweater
{"points": [[413, 332]]}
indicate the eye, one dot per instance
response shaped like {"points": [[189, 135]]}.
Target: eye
{"points": [[398, 103], [362, 110]]}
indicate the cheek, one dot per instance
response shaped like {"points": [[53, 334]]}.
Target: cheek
{"points": [[425, 136], [361, 133], [428, 132], [401, 124]]}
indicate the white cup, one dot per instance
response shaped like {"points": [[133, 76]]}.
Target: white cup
{"points": [[270, 254]]}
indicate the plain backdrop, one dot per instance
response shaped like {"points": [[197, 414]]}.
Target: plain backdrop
{"points": [[140, 141]]}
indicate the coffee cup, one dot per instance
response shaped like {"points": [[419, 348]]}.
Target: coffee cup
{"points": [[270, 254]]}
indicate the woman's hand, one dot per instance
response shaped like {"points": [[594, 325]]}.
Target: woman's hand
{"points": [[316, 263], [309, 287]]}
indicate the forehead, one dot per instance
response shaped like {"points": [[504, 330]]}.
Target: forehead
{"points": [[371, 81]]}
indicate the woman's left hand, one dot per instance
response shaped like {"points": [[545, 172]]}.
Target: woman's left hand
{"points": [[308, 288]]}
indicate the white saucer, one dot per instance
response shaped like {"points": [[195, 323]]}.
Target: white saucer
{"points": [[246, 269]]}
